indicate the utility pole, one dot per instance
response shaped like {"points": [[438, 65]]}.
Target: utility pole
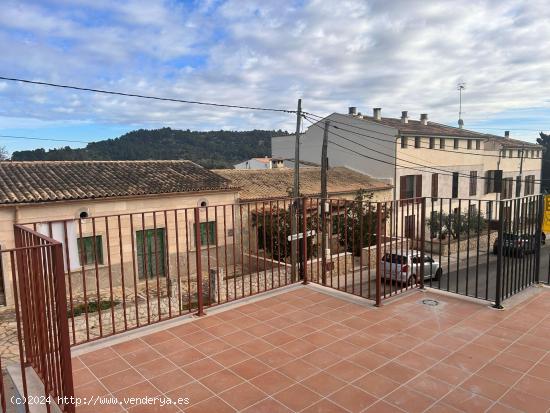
{"points": [[324, 196], [295, 194], [518, 185]]}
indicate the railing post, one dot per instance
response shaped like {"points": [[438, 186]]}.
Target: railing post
{"points": [[378, 253], [498, 292], [198, 258], [303, 259], [63, 328], [538, 235], [422, 239]]}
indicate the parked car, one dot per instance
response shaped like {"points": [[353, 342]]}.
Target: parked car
{"points": [[405, 268], [517, 245]]}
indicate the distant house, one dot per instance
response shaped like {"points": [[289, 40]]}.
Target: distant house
{"points": [[343, 183], [260, 163], [50, 192]]}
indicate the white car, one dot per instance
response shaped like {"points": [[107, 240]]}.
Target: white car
{"points": [[404, 268]]}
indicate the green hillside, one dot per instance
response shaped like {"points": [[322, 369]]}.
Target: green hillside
{"points": [[212, 149]]}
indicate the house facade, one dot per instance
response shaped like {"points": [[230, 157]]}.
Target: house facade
{"points": [[423, 158], [96, 207]]}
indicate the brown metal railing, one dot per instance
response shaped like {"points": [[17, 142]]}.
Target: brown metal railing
{"points": [[129, 270], [36, 266]]}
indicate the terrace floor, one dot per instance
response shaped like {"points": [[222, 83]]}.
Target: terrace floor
{"points": [[313, 351]]}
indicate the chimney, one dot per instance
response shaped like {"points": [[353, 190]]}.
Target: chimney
{"points": [[377, 113], [352, 110], [506, 133], [460, 123], [404, 117], [424, 118]]}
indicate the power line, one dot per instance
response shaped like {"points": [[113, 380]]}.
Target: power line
{"points": [[135, 95], [421, 146], [482, 136], [41, 139], [445, 171]]}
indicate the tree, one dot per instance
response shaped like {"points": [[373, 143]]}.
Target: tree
{"points": [[544, 140], [274, 227], [4, 153], [442, 225], [357, 225]]}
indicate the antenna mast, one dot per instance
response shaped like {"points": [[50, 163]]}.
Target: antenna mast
{"points": [[460, 86]]}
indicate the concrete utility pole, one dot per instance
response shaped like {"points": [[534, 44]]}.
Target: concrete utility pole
{"points": [[295, 193], [518, 186], [324, 196]]}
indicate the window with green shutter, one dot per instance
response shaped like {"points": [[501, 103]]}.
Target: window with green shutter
{"points": [[151, 253], [86, 250], [208, 233]]}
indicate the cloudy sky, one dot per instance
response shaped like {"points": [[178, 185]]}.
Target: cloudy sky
{"points": [[398, 55]]}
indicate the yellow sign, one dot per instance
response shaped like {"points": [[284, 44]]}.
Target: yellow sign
{"points": [[546, 220]]}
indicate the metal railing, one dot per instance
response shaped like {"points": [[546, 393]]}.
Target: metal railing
{"points": [[129, 270], [36, 266]]}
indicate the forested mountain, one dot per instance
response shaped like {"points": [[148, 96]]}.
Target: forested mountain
{"points": [[212, 149]]}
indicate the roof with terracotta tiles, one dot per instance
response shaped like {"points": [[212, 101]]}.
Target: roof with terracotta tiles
{"points": [[277, 183], [28, 182]]}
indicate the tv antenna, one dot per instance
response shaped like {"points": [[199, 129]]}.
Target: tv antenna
{"points": [[460, 87]]}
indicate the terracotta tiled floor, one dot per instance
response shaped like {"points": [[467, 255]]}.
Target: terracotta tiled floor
{"points": [[304, 350]]}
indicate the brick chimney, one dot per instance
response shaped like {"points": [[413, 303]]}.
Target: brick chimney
{"points": [[424, 118], [377, 113]]}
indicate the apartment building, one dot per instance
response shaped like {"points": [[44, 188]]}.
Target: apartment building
{"points": [[423, 158]]}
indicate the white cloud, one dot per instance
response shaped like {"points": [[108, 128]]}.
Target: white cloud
{"points": [[400, 55]]}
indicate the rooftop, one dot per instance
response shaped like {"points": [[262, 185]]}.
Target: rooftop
{"points": [[22, 182], [277, 182], [416, 127], [306, 349]]}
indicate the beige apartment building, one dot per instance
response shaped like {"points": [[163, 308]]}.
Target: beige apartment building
{"points": [[422, 158]]}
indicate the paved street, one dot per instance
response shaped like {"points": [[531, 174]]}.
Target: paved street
{"points": [[485, 272]]}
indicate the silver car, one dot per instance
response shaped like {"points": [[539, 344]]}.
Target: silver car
{"points": [[405, 268]]}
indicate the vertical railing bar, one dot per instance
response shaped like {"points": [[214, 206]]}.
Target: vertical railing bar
{"points": [[242, 249], [178, 262], [235, 252], [449, 235], [249, 226], [156, 267], [53, 330], [69, 276], [107, 235], [134, 269], [304, 240], [217, 253], [330, 225], [96, 270], [122, 281], [225, 253], [478, 237], [272, 244], [145, 265], [379, 253], [198, 258], [338, 243], [166, 259], [83, 270], [278, 243], [63, 329], [208, 241], [188, 259], [459, 226], [468, 234], [265, 247], [14, 261], [361, 244]]}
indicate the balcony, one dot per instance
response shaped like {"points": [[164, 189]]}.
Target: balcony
{"points": [[311, 349]]}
